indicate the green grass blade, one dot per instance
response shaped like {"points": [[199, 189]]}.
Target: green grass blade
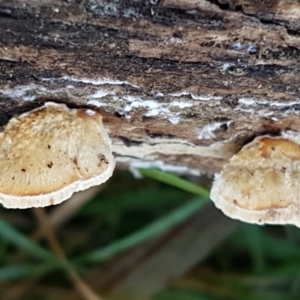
{"points": [[175, 181], [14, 272], [254, 238], [149, 231], [11, 235]]}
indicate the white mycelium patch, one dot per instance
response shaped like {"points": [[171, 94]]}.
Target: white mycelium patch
{"points": [[33, 91], [93, 81], [261, 107], [152, 107], [207, 132], [136, 164]]}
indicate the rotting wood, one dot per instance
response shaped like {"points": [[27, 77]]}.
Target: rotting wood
{"points": [[179, 82]]}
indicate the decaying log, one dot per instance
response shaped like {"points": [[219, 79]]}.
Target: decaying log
{"points": [[182, 84]]}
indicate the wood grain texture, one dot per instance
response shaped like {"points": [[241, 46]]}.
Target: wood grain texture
{"points": [[179, 82]]}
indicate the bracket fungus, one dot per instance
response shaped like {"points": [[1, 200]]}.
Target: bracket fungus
{"points": [[260, 184], [51, 152]]}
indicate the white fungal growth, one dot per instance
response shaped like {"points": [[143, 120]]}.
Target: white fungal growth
{"points": [[155, 108], [207, 132], [90, 112], [96, 81], [238, 46], [148, 149], [136, 164], [261, 107], [22, 91], [256, 102], [195, 96], [205, 97], [181, 104], [247, 101], [101, 94], [226, 66], [32, 91]]}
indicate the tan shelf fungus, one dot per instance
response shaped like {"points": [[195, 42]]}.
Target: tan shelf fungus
{"points": [[51, 152], [260, 184]]}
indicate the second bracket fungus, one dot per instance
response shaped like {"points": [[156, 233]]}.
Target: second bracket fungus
{"points": [[260, 184], [51, 152]]}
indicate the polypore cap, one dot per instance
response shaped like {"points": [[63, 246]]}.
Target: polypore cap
{"points": [[51, 152], [260, 184]]}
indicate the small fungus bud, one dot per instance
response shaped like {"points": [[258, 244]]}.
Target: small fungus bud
{"points": [[260, 184], [51, 152]]}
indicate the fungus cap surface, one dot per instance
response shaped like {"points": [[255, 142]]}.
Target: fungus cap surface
{"points": [[260, 184], [51, 152]]}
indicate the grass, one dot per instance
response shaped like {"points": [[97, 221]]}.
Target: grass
{"points": [[130, 221]]}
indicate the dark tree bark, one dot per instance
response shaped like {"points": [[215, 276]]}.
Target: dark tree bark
{"points": [[179, 82]]}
